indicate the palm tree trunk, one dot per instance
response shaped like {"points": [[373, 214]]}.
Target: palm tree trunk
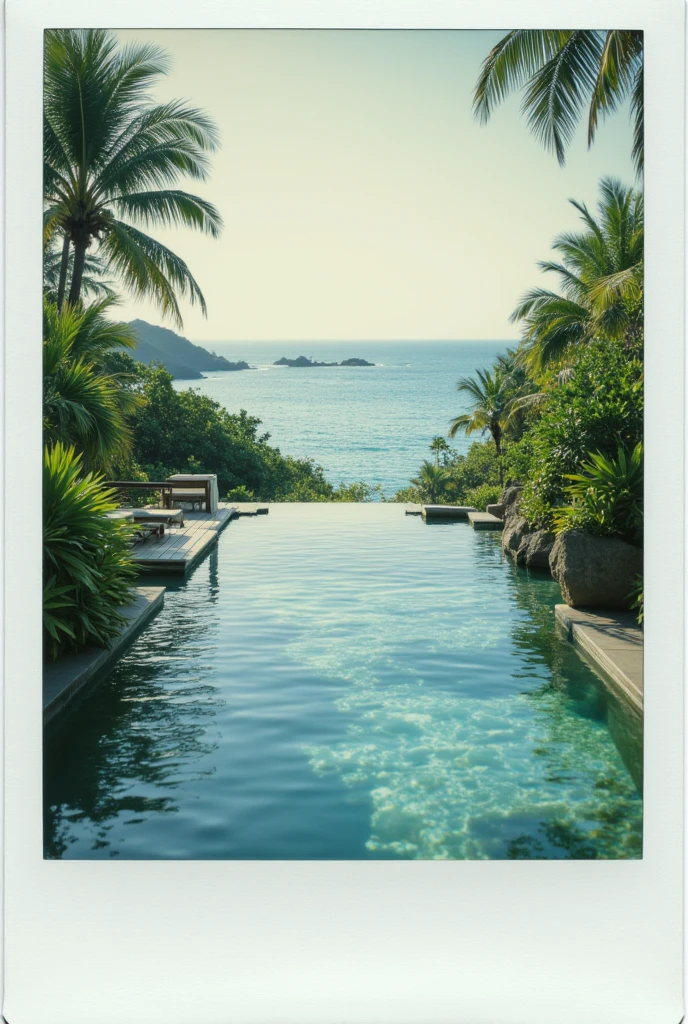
{"points": [[497, 438], [63, 272], [78, 272]]}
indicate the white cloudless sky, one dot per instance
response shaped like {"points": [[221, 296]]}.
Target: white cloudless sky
{"points": [[360, 198]]}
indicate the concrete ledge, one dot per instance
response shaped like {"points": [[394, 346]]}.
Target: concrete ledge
{"points": [[612, 643], [65, 679], [412, 510], [446, 511], [485, 521]]}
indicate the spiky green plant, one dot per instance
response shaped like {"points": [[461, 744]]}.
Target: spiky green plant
{"points": [[82, 404], [606, 496], [563, 73], [87, 568], [111, 157]]}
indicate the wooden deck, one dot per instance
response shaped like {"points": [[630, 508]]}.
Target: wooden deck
{"points": [[182, 547]]}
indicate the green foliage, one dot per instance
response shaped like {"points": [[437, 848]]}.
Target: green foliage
{"points": [[606, 497], [482, 496], [638, 602], [87, 569], [563, 72], [239, 494], [600, 276], [440, 449], [83, 403], [464, 478], [596, 408], [431, 482]]}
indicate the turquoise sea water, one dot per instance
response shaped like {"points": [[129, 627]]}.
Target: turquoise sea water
{"points": [[360, 423], [345, 681]]}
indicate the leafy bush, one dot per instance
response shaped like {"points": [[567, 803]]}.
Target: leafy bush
{"points": [[462, 478], [606, 497], [85, 404], [87, 569], [596, 408], [481, 497]]}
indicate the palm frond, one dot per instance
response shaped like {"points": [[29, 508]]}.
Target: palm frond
{"points": [[558, 92], [170, 207], [150, 269], [510, 64], [619, 60]]}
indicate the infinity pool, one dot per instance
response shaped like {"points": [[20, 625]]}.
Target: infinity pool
{"points": [[347, 682]]}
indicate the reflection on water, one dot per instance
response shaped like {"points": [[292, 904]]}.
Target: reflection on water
{"points": [[348, 682]]}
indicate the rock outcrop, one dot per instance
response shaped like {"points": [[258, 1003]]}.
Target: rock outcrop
{"points": [[527, 547], [496, 509], [514, 533], [595, 572], [534, 550]]}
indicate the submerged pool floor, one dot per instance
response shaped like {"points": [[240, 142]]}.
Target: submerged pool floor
{"points": [[344, 681]]}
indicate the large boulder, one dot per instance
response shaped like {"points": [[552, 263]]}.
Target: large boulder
{"points": [[595, 572], [514, 532], [495, 510], [534, 550], [510, 495]]}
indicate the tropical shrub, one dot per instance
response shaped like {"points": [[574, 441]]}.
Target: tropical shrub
{"points": [[606, 497], [85, 404], [598, 407], [431, 482], [481, 497], [87, 568]]}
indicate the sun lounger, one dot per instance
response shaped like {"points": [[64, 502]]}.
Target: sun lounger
{"points": [[145, 530], [168, 516]]}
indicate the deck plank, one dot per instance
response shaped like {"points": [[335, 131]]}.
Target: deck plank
{"points": [[183, 546]]}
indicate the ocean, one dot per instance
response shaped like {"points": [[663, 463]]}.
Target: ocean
{"points": [[370, 424]]}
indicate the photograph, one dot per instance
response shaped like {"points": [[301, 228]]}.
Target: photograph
{"points": [[343, 444]]}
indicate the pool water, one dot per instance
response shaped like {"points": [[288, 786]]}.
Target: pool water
{"points": [[348, 682]]}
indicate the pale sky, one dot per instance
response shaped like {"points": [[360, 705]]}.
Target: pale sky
{"points": [[361, 200]]}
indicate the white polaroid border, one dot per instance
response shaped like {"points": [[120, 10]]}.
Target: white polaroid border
{"points": [[321, 942]]}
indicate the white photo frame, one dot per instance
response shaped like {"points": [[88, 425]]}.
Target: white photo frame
{"points": [[366, 942]]}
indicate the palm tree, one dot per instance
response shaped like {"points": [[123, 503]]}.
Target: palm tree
{"points": [[493, 394], [565, 72], [601, 277], [83, 405], [110, 159], [94, 283], [440, 447], [431, 481]]}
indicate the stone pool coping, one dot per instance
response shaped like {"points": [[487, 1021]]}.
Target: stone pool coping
{"points": [[66, 679], [612, 642]]}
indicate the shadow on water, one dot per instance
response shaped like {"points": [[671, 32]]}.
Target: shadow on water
{"points": [[145, 721]]}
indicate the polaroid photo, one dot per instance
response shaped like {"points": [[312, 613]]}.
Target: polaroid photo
{"points": [[344, 512]]}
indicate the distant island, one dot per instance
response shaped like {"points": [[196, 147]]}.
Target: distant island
{"points": [[178, 355], [305, 361]]}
